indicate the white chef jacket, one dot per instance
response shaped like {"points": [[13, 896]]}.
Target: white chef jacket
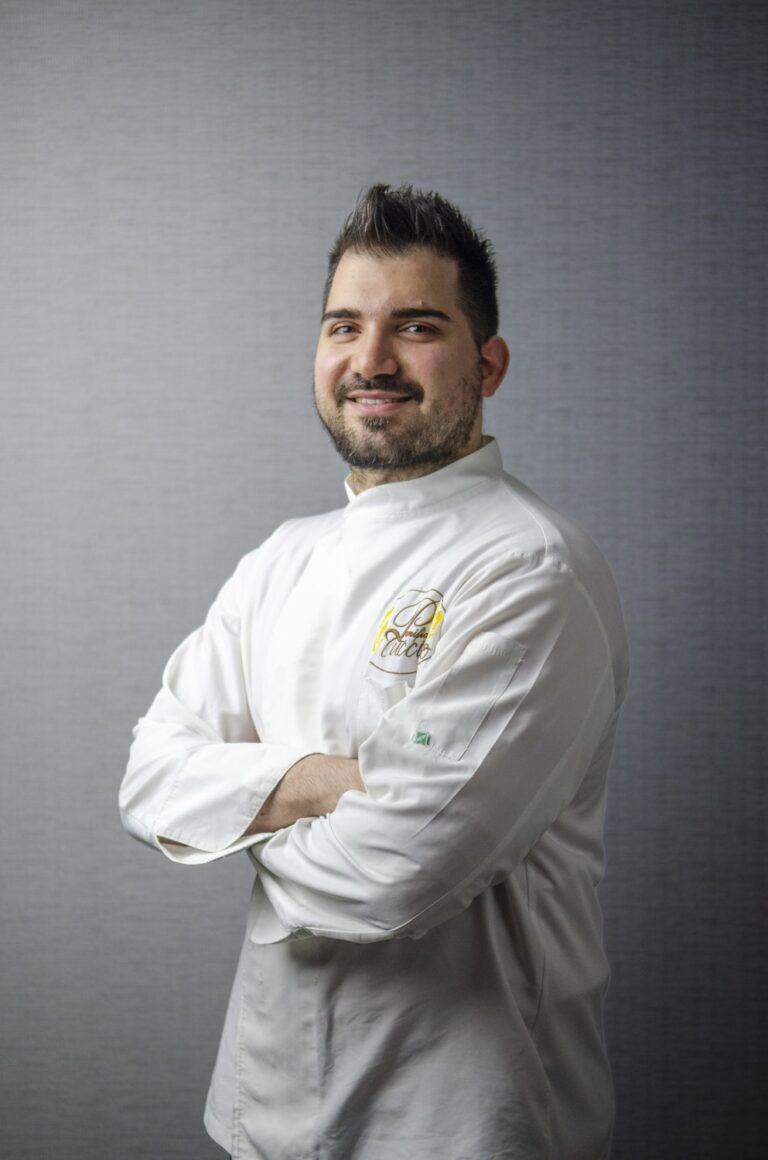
{"points": [[422, 973]]}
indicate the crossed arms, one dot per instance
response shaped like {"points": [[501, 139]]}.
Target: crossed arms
{"points": [[520, 701]]}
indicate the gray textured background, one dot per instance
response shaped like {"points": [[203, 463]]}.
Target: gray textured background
{"points": [[172, 174]]}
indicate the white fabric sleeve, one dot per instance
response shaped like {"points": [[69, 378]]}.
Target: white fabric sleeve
{"points": [[197, 773], [463, 774]]}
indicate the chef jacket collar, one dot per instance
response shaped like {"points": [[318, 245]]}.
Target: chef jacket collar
{"points": [[466, 474]]}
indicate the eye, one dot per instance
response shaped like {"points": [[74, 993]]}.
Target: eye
{"points": [[419, 328], [342, 329]]}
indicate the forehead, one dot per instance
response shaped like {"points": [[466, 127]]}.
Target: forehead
{"points": [[373, 282]]}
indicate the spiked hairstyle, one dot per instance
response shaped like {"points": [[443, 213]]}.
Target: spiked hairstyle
{"points": [[391, 221]]}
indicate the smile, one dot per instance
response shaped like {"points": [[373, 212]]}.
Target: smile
{"points": [[377, 403]]}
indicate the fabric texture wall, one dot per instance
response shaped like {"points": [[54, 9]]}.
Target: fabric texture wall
{"points": [[172, 174]]}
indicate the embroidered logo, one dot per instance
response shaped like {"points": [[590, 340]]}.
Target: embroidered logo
{"points": [[408, 631]]}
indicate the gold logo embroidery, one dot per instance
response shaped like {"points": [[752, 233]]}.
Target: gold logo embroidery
{"points": [[408, 631]]}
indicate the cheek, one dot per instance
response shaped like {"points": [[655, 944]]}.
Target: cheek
{"points": [[439, 377], [328, 369]]}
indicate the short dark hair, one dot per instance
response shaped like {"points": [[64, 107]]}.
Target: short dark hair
{"points": [[390, 221]]}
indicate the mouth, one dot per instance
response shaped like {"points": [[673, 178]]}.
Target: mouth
{"points": [[377, 402]]}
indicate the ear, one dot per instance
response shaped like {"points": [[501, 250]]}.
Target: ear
{"points": [[494, 360]]}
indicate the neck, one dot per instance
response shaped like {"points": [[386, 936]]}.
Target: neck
{"points": [[363, 478]]}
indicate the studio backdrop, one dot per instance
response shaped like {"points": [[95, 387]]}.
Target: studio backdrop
{"points": [[173, 172]]}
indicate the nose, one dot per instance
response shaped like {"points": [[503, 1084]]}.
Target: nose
{"points": [[374, 354]]}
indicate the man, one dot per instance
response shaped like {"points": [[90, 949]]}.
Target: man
{"points": [[404, 711]]}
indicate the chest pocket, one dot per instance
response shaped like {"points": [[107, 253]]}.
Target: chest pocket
{"points": [[463, 698]]}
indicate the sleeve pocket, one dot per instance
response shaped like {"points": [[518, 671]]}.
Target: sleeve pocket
{"points": [[468, 692]]}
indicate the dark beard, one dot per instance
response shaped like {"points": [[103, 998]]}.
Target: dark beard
{"points": [[435, 445]]}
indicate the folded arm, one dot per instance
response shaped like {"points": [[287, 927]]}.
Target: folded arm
{"points": [[464, 774], [200, 784]]}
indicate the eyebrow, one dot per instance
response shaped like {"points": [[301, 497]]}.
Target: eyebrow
{"points": [[403, 312]]}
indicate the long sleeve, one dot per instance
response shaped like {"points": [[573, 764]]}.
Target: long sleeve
{"points": [[197, 772], [466, 772]]}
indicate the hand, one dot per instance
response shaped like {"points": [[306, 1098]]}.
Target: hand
{"points": [[310, 788]]}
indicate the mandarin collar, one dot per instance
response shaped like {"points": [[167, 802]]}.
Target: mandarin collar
{"points": [[473, 471]]}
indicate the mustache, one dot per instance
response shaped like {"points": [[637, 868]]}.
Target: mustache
{"points": [[379, 383]]}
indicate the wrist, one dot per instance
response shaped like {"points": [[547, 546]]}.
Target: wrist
{"points": [[310, 788]]}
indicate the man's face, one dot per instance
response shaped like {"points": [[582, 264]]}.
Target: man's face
{"points": [[398, 376]]}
